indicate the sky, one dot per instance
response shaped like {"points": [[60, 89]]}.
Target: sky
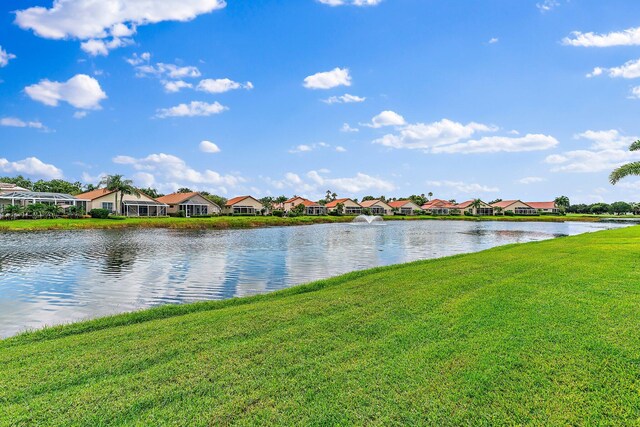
{"points": [[486, 99]]}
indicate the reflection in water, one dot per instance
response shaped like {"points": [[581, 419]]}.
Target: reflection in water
{"points": [[57, 277]]}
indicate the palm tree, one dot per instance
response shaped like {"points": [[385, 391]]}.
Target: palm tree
{"points": [[562, 202], [13, 211], [430, 195], [120, 186], [476, 205], [623, 171]]}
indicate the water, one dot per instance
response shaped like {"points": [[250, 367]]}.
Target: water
{"points": [[49, 278]]}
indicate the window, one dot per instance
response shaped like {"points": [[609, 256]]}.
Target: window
{"points": [[108, 206]]}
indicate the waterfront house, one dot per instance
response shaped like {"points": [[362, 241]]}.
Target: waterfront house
{"points": [[350, 207], [192, 204], [25, 197], [134, 205], [377, 207], [545, 207], [5, 187], [483, 210], [243, 205], [404, 207], [310, 207], [438, 207], [517, 207]]}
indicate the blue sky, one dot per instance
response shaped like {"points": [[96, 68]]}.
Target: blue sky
{"points": [[495, 98]]}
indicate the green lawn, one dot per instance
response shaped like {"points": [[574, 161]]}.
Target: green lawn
{"points": [[227, 222], [542, 333]]}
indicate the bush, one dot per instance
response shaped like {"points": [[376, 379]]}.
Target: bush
{"points": [[117, 217], [182, 214], [99, 213], [277, 213], [509, 213], [467, 213], [334, 213], [292, 214]]}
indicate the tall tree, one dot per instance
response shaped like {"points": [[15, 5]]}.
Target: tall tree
{"points": [[623, 171], [476, 205], [430, 195], [562, 202], [184, 190], [19, 180], [58, 186], [121, 186]]}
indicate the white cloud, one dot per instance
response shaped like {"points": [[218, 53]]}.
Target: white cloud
{"points": [[635, 93], [80, 114], [139, 59], [608, 150], [18, 123], [81, 91], [350, 2], [347, 129], [341, 149], [161, 69], [193, 109], [463, 187], [629, 70], [222, 85], [175, 86], [171, 172], [114, 19], [629, 37], [329, 79], [428, 136], [31, 166], [386, 118], [5, 57], [547, 5], [315, 183], [494, 40], [496, 144], [97, 47], [305, 148], [209, 147], [344, 99], [530, 180]]}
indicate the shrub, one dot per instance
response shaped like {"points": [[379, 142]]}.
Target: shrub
{"points": [[99, 213], [117, 217], [277, 213], [467, 213], [509, 213], [182, 214]]}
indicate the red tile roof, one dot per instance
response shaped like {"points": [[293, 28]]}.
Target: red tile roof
{"points": [[506, 203], [176, 198], [463, 205], [369, 203], [238, 199], [399, 203], [334, 203], [543, 205], [95, 194], [438, 203]]}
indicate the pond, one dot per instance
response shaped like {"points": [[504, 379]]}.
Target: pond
{"points": [[49, 278]]}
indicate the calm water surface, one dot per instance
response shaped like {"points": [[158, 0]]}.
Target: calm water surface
{"points": [[57, 277]]}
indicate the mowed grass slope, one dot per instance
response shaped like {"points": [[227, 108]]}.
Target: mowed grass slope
{"points": [[540, 333]]}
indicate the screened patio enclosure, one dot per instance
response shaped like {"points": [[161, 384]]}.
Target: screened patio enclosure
{"points": [[194, 209], [25, 198], [144, 208]]}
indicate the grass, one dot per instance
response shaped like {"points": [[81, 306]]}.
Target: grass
{"points": [[541, 334], [230, 222]]}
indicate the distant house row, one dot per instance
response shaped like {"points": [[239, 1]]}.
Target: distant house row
{"points": [[195, 204]]}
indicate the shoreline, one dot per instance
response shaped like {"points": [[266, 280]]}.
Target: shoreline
{"points": [[231, 223], [418, 332]]}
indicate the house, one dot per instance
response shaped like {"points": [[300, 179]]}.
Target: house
{"points": [[5, 187], [243, 205], [517, 207], [134, 205], [404, 207], [483, 210], [438, 207], [350, 207], [192, 203], [25, 197], [545, 207], [310, 207], [377, 207]]}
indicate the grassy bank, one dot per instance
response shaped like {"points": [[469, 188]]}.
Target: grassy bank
{"points": [[540, 333], [228, 222]]}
